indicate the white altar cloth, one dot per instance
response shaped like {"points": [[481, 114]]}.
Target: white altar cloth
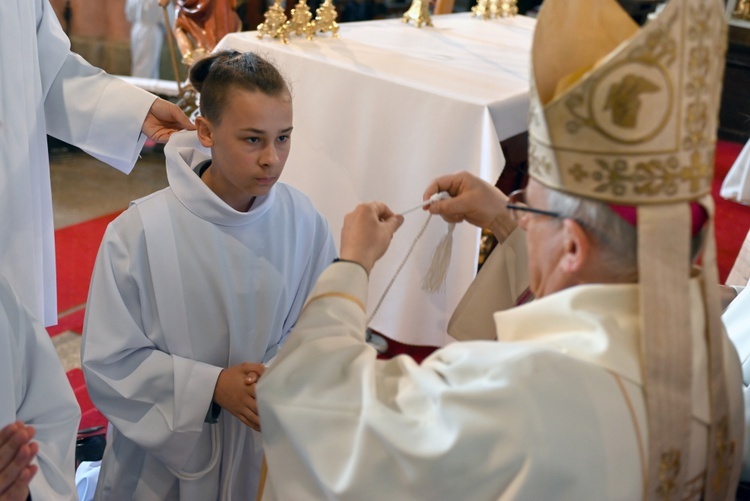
{"points": [[386, 108]]}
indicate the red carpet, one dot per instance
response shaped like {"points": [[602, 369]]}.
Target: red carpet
{"points": [[77, 247], [733, 219]]}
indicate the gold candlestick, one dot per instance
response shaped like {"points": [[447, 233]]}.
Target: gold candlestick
{"points": [[742, 10], [490, 9], [325, 19], [482, 9], [299, 22], [419, 12], [506, 8], [275, 24]]}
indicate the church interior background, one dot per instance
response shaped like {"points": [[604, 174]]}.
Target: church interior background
{"points": [[84, 189]]}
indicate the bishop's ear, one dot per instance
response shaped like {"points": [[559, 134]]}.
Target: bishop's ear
{"points": [[205, 131], [577, 246]]}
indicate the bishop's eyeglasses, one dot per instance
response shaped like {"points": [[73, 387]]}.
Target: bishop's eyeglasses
{"points": [[518, 207]]}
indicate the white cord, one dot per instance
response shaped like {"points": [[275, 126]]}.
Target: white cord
{"points": [[214, 459], [442, 195]]}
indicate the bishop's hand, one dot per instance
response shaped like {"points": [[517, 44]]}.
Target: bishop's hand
{"points": [[367, 233], [472, 200]]}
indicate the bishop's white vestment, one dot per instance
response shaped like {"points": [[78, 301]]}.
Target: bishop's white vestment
{"points": [[552, 409], [34, 390], [161, 325], [46, 89]]}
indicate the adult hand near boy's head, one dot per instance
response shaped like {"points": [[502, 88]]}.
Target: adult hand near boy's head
{"points": [[16, 453], [163, 120]]}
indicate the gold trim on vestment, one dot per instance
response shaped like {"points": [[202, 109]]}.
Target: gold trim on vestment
{"points": [[639, 437], [342, 295]]}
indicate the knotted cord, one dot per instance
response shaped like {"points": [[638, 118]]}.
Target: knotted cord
{"points": [[434, 198]]}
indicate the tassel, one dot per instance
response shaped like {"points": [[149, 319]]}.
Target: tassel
{"points": [[434, 281]]}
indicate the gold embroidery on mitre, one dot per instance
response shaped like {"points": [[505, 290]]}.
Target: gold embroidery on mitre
{"points": [[611, 102], [724, 453], [623, 99], [633, 130], [668, 471], [540, 162], [661, 176]]}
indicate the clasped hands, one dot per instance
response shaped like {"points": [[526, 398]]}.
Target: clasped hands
{"points": [[16, 453], [235, 392]]}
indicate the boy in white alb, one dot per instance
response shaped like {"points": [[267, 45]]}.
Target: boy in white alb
{"points": [[197, 285]]}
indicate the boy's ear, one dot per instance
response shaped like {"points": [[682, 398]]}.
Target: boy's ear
{"points": [[205, 132]]}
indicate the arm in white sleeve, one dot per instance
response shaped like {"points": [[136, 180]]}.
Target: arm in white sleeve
{"points": [[83, 105], [35, 390], [340, 424]]}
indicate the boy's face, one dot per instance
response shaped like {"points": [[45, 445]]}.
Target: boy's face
{"points": [[249, 145]]}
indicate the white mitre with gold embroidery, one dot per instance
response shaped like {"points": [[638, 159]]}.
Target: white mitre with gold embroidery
{"points": [[639, 127], [628, 116]]}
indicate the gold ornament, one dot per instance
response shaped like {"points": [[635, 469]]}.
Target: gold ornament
{"points": [[275, 24], [325, 20], [191, 56], [488, 9], [742, 10], [300, 21], [505, 8], [482, 9], [419, 12]]}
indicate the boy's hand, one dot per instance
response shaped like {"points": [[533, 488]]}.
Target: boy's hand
{"points": [[235, 392]]}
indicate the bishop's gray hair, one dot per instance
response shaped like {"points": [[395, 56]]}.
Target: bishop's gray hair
{"points": [[616, 238]]}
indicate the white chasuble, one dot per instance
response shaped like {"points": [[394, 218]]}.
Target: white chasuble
{"points": [[244, 278], [46, 89], [553, 409], [34, 390]]}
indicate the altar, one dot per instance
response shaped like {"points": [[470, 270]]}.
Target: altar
{"points": [[383, 110]]}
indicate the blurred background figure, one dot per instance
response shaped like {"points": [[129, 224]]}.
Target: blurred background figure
{"points": [[147, 35], [200, 24]]}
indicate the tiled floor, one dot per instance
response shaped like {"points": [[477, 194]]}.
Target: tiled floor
{"points": [[84, 188]]}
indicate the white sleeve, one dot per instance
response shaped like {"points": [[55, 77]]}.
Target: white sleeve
{"points": [[736, 184], [97, 112], [83, 105], [339, 424], [156, 399], [35, 390]]}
